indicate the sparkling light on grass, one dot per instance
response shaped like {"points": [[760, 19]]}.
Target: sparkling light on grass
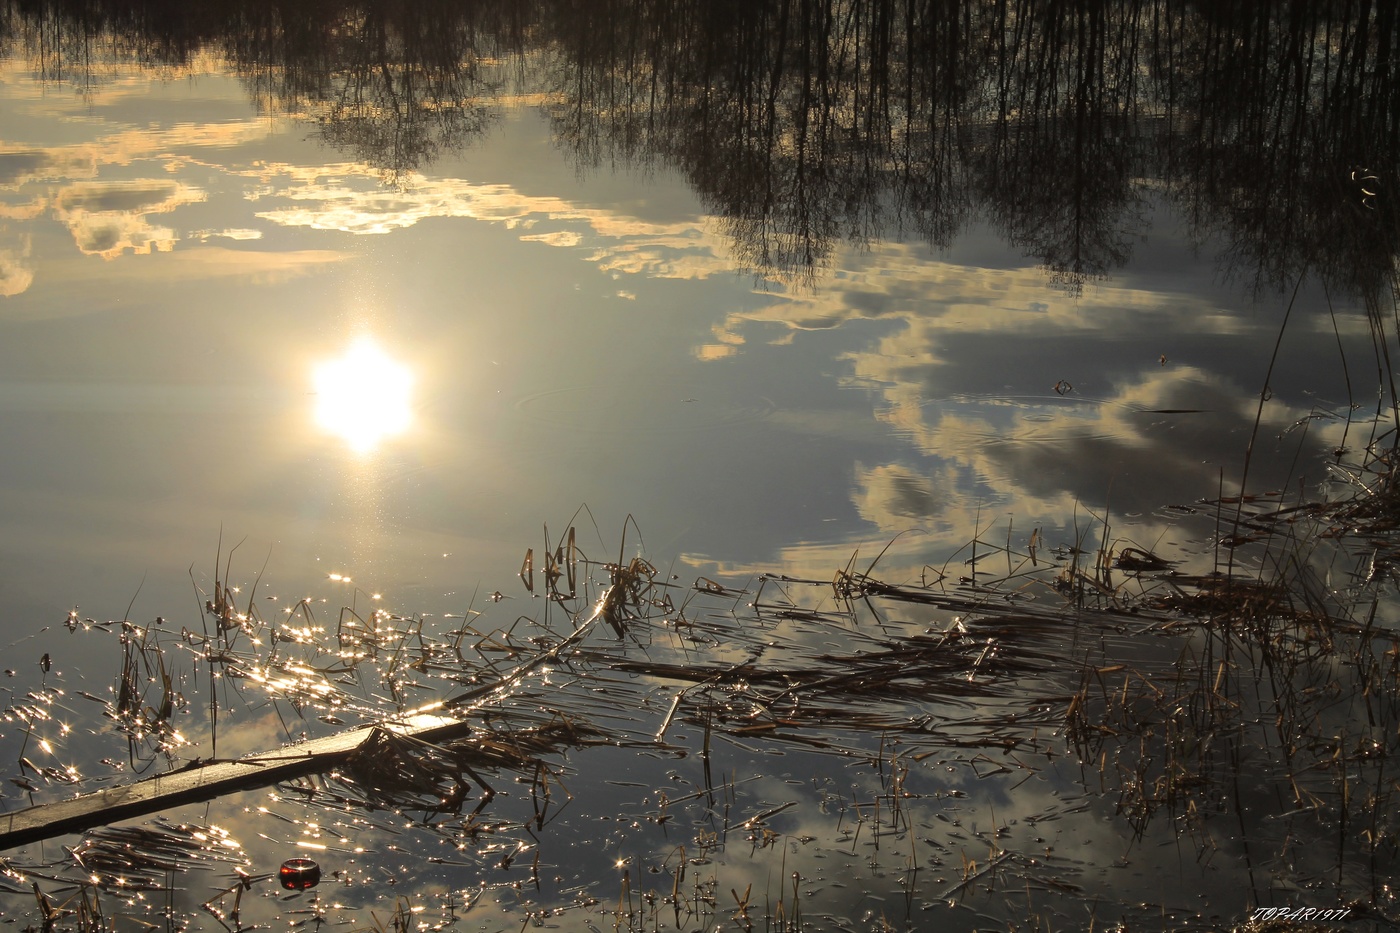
{"points": [[363, 396]]}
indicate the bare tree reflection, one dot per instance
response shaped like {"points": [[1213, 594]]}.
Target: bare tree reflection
{"points": [[805, 123], [799, 122], [396, 85], [1065, 148], [1277, 106], [802, 122]]}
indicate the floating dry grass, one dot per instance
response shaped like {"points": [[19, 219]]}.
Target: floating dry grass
{"points": [[1181, 700]]}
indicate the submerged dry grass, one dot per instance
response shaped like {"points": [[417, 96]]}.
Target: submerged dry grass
{"points": [[1254, 718]]}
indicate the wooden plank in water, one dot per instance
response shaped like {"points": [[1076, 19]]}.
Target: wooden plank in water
{"points": [[198, 782]]}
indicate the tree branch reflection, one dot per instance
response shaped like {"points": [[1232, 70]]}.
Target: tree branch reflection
{"points": [[806, 123]]}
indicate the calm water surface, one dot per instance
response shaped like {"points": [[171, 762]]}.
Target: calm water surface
{"points": [[779, 283]]}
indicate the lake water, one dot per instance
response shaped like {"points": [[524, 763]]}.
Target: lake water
{"points": [[781, 281]]}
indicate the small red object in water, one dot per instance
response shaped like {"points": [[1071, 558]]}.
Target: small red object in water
{"points": [[298, 874]]}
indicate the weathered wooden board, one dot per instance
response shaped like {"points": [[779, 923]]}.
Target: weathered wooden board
{"points": [[200, 782]]}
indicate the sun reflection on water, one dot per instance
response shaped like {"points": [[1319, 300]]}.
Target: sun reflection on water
{"points": [[363, 396]]}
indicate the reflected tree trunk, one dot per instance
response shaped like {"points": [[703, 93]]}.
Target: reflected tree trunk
{"points": [[803, 124]]}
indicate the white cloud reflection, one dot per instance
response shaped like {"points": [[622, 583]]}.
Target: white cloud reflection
{"points": [[115, 186], [238, 233], [324, 199], [961, 365], [109, 218], [16, 274]]}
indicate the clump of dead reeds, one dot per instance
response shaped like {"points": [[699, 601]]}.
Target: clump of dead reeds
{"points": [[142, 858], [1166, 687]]}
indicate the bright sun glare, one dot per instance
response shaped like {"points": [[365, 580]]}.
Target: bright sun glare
{"points": [[363, 396]]}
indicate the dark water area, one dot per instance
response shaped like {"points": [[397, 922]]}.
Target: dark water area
{"points": [[1072, 322]]}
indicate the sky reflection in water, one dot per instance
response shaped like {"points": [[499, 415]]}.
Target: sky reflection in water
{"points": [[594, 344]]}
